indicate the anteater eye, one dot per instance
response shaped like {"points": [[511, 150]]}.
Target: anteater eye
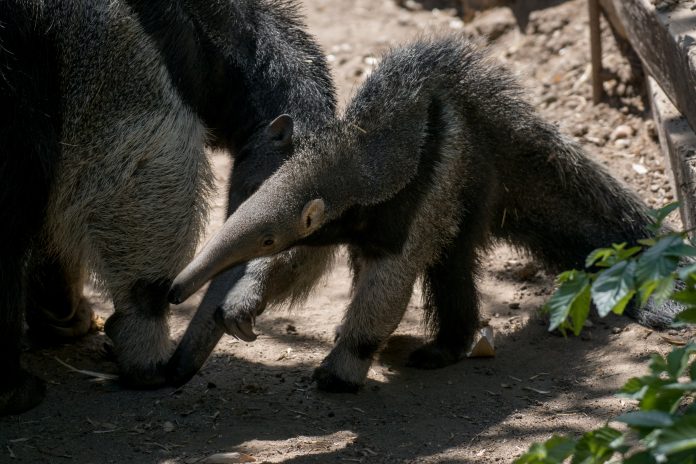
{"points": [[268, 242]]}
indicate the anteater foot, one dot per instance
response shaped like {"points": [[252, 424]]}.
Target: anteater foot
{"points": [[144, 378], [25, 392], [46, 328], [433, 356], [329, 382]]}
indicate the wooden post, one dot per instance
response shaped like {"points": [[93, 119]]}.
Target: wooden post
{"points": [[596, 51]]}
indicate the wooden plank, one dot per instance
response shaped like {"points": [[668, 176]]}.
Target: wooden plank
{"points": [[666, 43], [610, 12], [596, 52], [678, 142]]}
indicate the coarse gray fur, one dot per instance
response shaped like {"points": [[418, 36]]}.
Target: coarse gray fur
{"points": [[437, 156], [105, 110], [129, 199]]}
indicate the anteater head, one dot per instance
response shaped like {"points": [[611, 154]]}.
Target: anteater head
{"points": [[272, 220]]}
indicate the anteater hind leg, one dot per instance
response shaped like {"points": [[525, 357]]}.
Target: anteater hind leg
{"points": [[451, 305], [56, 308], [19, 390]]}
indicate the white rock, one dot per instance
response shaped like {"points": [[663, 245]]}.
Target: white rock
{"points": [[622, 132], [640, 169]]}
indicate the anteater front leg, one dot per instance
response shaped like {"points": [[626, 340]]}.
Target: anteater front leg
{"points": [[382, 291]]}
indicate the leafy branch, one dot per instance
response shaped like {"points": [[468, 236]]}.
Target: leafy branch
{"points": [[663, 429], [614, 276]]}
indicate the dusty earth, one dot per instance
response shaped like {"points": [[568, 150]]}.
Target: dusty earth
{"points": [[258, 399]]}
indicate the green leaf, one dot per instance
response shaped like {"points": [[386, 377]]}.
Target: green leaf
{"points": [[599, 257], [682, 386], [625, 254], [686, 271], [570, 296], [647, 242], [595, 446], [646, 419], [663, 290], [559, 448], [580, 310], [659, 215], [660, 260], [658, 364], [554, 451], [657, 399], [643, 457], [679, 437], [678, 360], [633, 386], [614, 288], [688, 297], [688, 316]]}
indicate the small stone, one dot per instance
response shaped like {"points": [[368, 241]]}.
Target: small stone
{"points": [[168, 427], [616, 330], [640, 169], [621, 132]]}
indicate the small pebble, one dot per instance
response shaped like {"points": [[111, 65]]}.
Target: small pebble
{"points": [[621, 132]]}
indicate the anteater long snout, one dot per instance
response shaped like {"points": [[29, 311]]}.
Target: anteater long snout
{"points": [[223, 251]]}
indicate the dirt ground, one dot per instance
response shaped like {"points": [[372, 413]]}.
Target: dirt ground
{"points": [[258, 399]]}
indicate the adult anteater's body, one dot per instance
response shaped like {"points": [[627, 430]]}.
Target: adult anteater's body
{"points": [[105, 108]]}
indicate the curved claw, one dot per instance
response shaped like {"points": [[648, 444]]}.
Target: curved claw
{"points": [[243, 329]]}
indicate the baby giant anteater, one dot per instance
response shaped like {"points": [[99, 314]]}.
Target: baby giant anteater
{"points": [[437, 156]]}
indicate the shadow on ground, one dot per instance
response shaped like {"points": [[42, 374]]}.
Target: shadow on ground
{"points": [[265, 406]]}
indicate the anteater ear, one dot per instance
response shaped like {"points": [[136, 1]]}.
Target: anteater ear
{"points": [[313, 215], [280, 130]]}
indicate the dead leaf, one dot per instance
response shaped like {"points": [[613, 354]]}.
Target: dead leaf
{"points": [[484, 346]]}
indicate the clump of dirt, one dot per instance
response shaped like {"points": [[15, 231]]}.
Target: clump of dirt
{"points": [[257, 399]]}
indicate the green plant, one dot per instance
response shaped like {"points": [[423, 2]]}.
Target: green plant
{"points": [[663, 429], [615, 275]]}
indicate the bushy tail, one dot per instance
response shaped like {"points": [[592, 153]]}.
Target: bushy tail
{"points": [[564, 205]]}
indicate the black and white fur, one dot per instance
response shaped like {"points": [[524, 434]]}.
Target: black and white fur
{"points": [[105, 109], [437, 156]]}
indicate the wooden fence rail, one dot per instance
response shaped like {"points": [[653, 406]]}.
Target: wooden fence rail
{"points": [[665, 40]]}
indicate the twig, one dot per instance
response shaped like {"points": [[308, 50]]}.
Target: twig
{"points": [[93, 374]]}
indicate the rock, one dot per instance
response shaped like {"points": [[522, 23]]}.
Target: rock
{"points": [[168, 427], [622, 132], [495, 23], [640, 169]]}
